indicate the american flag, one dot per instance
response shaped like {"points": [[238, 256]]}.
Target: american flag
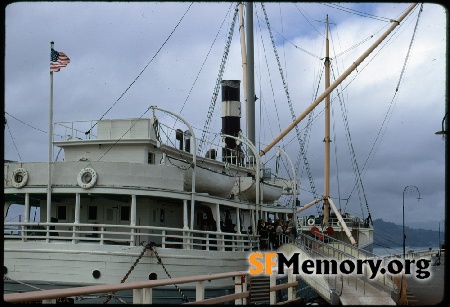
{"points": [[58, 60]]}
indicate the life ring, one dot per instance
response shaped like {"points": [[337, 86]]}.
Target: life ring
{"points": [[311, 222], [19, 177], [87, 178]]}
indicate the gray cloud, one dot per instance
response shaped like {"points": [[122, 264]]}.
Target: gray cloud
{"points": [[110, 44]]}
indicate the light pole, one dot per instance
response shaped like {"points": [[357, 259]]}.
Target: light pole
{"points": [[440, 236], [443, 131], [408, 188]]}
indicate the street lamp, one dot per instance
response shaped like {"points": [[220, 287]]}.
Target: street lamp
{"points": [[440, 237], [408, 188], [443, 131]]}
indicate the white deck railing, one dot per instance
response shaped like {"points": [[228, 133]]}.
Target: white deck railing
{"points": [[131, 235]]}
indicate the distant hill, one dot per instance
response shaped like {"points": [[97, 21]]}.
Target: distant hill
{"points": [[387, 234]]}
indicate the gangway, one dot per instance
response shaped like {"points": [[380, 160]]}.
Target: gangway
{"points": [[340, 289]]}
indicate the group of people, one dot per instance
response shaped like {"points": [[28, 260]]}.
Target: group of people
{"points": [[271, 233]]}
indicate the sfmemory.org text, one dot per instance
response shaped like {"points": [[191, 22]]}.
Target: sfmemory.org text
{"points": [[264, 262]]}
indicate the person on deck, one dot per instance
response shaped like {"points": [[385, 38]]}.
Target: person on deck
{"points": [[263, 235]]}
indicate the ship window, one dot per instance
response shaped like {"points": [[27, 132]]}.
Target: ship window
{"points": [[62, 213], [151, 158], [124, 213], [92, 214]]}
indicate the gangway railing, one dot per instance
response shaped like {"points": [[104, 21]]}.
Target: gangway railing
{"points": [[327, 247]]}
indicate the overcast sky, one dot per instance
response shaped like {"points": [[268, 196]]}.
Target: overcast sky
{"points": [[170, 54]]}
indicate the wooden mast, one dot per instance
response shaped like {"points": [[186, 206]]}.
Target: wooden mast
{"points": [[336, 83], [326, 192], [244, 58]]}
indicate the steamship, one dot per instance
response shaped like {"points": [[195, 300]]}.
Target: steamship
{"points": [[123, 190], [137, 199]]}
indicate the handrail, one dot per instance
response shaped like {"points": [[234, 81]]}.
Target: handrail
{"points": [[76, 291], [138, 287]]}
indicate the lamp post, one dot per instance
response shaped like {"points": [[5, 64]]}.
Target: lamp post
{"points": [[443, 131], [408, 188], [440, 237]]}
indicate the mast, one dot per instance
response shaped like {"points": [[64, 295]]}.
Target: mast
{"points": [[326, 192], [244, 58], [336, 83], [250, 103]]}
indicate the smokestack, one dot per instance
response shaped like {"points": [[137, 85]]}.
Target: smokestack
{"points": [[231, 116]]}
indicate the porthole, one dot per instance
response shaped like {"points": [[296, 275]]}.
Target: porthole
{"points": [[96, 274]]}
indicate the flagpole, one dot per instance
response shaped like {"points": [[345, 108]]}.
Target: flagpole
{"points": [[50, 148]]}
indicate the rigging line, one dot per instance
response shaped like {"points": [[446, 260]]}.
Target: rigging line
{"points": [[295, 137], [389, 113], [308, 20], [295, 46], [132, 83], [54, 134], [219, 79], [262, 99], [288, 97], [270, 78], [307, 137], [360, 43], [352, 151], [285, 57], [349, 143], [410, 47], [26, 123], [359, 13], [348, 137], [344, 88], [357, 44], [116, 142], [12, 138], [387, 237], [284, 47], [203, 65], [335, 156], [279, 67]]}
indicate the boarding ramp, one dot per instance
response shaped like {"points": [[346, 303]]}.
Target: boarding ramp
{"points": [[352, 289]]}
